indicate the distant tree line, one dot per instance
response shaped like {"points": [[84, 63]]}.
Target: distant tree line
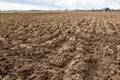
{"points": [[104, 9]]}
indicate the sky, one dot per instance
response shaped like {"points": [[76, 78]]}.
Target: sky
{"points": [[57, 4]]}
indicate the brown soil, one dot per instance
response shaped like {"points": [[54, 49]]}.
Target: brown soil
{"points": [[60, 46]]}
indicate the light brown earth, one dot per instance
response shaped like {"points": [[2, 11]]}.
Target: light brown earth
{"points": [[60, 46]]}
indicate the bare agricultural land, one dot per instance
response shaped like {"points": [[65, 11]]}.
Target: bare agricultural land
{"points": [[60, 46]]}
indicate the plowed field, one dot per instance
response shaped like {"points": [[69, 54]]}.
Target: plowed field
{"points": [[60, 46]]}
